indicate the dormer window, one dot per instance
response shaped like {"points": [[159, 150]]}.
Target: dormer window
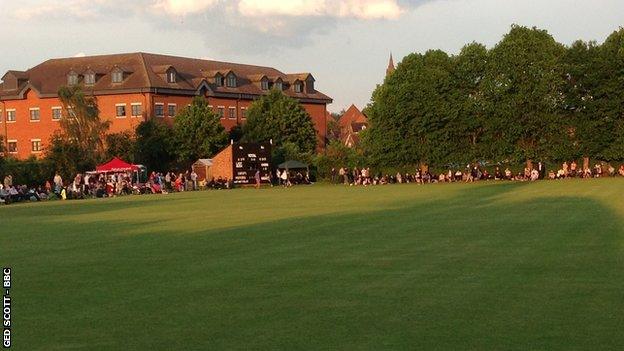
{"points": [[89, 78], [72, 78], [171, 76], [279, 85], [117, 76], [298, 87], [264, 84], [230, 81], [218, 80]]}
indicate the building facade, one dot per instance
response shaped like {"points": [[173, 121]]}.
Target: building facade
{"points": [[131, 88]]}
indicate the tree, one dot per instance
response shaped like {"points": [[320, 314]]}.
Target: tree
{"points": [[471, 131], [411, 112], [154, 145], [523, 91], [66, 157], [81, 124], [280, 118], [333, 129], [120, 145], [198, 132], [609, 96]]}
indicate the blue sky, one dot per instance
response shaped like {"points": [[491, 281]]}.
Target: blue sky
{"points": [[344, 43]]}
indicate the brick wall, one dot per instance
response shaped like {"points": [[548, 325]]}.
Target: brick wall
{"points": [[222, 164]]}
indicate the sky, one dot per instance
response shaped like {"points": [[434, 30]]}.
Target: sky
{"points": [[345, 44]]}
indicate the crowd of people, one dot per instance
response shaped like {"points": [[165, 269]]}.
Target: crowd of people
{"points": [[364, 176], [100, 185]]}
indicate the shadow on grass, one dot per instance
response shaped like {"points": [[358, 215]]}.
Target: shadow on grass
{"points": [[470, 272]]}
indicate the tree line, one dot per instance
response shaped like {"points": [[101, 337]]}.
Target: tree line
{"points": [[527, 98]]}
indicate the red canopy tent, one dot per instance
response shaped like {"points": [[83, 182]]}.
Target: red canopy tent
{"points": [[116, 165]]}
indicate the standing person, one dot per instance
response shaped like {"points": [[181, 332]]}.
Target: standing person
{"points": [[257, 177], [333, 175], [168, 180], [194, 179]]}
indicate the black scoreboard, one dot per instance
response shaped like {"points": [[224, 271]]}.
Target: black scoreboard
{"points": [[248, 158]]}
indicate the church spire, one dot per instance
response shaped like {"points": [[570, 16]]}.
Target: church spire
{"points": [[390, 68]]}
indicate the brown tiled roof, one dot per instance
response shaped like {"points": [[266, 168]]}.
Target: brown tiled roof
{"points": [[351, 116], [145, 72]]}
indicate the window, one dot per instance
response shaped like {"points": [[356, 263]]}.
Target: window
{"points": [[1, 115], [72, 79], [220, 111], [34, 115], [171, 76], [231, 81], [89, 78], [35, 145], [117, 77], [136, 110], [159, 110], [218, 80], [120, 110], [278, 85], [243, 112], [298, 87], [171, 110], [232, 112], [264, 84], [56, 113], [12, 146], [71, 113], [10, 117]]}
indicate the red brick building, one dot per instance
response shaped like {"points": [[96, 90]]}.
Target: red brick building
{"points": [[352, 122], [131, 88]]}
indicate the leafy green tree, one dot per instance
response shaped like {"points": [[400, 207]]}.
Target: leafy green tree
{"points": [[410, 113], [280, 118], [609, 96], [523, 90], [66, 158], [154, 145], [120, 145], [198, 132], [81, 124], [470, 129]]}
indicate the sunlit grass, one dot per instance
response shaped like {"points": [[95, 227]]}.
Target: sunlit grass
{"points": [[491, 266]]}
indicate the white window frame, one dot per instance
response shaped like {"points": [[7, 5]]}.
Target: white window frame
{"points": [[163, 109], [223, 115], [89, 79], [115, 73], [14, 115], [125, 110], [30, 111], [243, 113], [16, 146], [230, 108], [175, 108], [132, 109], [171, 76], [60, 108], [31, 146]]}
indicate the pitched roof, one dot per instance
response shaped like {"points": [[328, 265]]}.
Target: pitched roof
{"points": [[145, 71], [351, 116]]}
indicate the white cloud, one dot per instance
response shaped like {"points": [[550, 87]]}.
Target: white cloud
{"points": [[183, 7], [69, 8], [359, 9]]}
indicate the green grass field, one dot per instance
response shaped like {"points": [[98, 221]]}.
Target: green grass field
{"points": [[489, 266]]}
